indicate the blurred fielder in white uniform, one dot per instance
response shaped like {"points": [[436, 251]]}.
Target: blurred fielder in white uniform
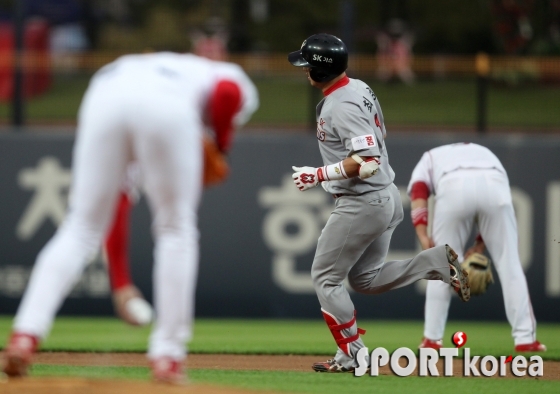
{"points": [[128, 301], [150, 109], [470, 186]]}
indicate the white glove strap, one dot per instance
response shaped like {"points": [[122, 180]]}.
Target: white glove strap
{"points": [[333, 172]]}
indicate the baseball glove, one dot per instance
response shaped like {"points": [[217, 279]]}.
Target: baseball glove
{"points": [[216, 168], [480, 273]]}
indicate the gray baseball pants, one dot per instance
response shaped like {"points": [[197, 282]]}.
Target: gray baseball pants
{"points": [[354, 244]]}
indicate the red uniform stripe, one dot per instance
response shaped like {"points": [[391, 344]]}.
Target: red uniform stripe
{"points": [[419, 190]]}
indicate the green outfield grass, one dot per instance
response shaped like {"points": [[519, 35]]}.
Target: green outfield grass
{"points": [[292, 337], [279, 336], [287, 102]]}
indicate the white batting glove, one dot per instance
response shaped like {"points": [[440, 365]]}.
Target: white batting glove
{"points": [[307, 177]]}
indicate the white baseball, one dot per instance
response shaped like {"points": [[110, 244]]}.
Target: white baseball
{"points": [[140, 310]]}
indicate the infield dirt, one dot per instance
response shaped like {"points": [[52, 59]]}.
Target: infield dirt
{"points": [[195, 361]]}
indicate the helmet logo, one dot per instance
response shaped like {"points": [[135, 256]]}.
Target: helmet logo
{"points": [[322, 59], [303, 44]]}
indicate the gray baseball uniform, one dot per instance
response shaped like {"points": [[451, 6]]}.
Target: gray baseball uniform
{"points": [[355, 240]]}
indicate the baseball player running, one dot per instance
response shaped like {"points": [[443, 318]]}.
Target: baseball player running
{"points": [[356, 171], [470, 185], [149, 109]]}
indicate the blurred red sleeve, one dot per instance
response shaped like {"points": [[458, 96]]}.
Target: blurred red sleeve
{"points": [[224, 103], [116, 245]]}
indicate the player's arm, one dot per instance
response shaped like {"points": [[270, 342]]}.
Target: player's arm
{"points": [[116, 245], [223, 104], [359, 140], [128, 301], [419, 195], [352, 123], [354, 166]]}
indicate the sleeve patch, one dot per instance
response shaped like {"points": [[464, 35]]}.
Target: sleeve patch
{"points": [[363, 142]]}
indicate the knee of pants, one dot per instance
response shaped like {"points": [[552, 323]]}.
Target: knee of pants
{"points": [[181, 225], [322, 283], [88, 234], [317, 278], [178, 240], [363, 282], [358, 284], [318, 273]]}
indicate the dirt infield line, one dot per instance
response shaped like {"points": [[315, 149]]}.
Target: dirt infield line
{"points": [[237, 362]]}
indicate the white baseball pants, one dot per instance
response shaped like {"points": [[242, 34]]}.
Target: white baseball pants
{"points": [[123, 119], [464, 196]]}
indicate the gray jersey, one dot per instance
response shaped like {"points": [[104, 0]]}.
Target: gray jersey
{"points": [[349, 120], [356, 238]]}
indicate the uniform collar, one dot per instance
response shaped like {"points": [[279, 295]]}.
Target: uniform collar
{"points": [[343, 82]]}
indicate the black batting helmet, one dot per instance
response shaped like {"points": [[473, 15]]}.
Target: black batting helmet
{"points": [[325, 55]]}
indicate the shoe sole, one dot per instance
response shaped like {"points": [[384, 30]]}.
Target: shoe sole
{"points": [[329, 371], [326, 370], [464, 288]]}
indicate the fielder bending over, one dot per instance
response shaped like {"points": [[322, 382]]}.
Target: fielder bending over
{"points": [[150, 109], [470, 184]]}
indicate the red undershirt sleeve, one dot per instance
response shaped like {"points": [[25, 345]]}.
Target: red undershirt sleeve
{"points": [[224, 103], [116, 245], [419, 190]]}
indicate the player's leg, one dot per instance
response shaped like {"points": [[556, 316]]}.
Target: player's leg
{"points": [[352, 226], [373, 275], [169, 151], [100, 156], [376, 276], [498, 228], [451, 224]]}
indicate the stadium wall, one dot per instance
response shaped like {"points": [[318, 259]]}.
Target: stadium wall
{"points": [[258, 232]]}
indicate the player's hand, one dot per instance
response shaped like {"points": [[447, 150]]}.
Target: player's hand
{"points": [[306, 177], [426, 242]]}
